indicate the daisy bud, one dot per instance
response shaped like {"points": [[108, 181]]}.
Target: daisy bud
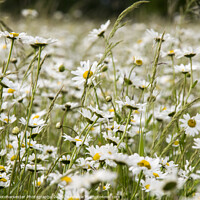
{"points": [[108, 98], [151, 99], [127, 81], [13, 60], [104, 68], [61, 68], [58, 125], [68, 106], [15, 130]]}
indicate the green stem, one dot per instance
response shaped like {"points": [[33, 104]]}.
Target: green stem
{"points": [[74, 153], [124, 133], [191, 80], [28, 118], [10, 53], [136, 189]]}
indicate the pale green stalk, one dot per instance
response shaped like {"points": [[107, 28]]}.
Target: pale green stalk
{"points": [[124, 133], [191, 81], [74, 152], [28, 118]]}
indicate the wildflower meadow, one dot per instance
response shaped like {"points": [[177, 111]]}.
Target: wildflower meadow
{"points": [[99, 111]]}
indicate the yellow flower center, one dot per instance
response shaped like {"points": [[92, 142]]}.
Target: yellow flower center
{"points": [[171, 51], [144, 163], [138, 62], [23, 145], [167, 164], [136, 112], [38, 183], [156, 175], [139, 41], [147, 186], [3, 180], [165, 108], [10, 90], [191, 123], [73, 198], [4, 46], [14, 34], [111, 110], [85, 74], [109, 153], [92, 129], [176, 142], [10, 146], [66, 179], [2, 168], [34, 124], [78, 140], [6, 120], [132, 120], [36, 117], [104, 187], [13, 158], [96, 156]]}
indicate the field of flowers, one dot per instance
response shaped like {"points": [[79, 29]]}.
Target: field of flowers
{"points": [[104, 113]]}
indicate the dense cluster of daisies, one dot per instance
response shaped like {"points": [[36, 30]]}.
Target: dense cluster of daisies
{"points": [[89, 115]]}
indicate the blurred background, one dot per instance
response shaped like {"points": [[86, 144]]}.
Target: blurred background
{"points": [[100, 9]]}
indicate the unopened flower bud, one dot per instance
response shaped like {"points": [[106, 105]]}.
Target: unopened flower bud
{"points": [[68, 106], [108, 98], [58, 125], [104, 68], [61, 68], [15, 130]]}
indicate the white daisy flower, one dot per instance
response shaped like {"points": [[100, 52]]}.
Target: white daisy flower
{"points": [[29, 13], [196, 143], [129, 103], [191, 124], [84, 72], [96, 33], [12, 35], [7, 119]]}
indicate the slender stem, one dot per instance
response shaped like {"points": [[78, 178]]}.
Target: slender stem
{"points": [[10, 53], [124, 133], [74, 153], [141, 144], [28, 118], [191, 81], [184, 86], [136, 189]]}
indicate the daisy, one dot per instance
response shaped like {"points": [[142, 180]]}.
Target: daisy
{"points": [[12, 35], [33, 123], [49, 150], [183, 68], [191, 124], [39, 181], [137, 60], [196, 143], [88, 115], [37, 41], [29, 13], [65, 159], [86, 71], [112, 139], [75, 140], [96, 33], [7, 119], [170, 138], [129, 103], [188, 52], [146, 164], [4, 180]]}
